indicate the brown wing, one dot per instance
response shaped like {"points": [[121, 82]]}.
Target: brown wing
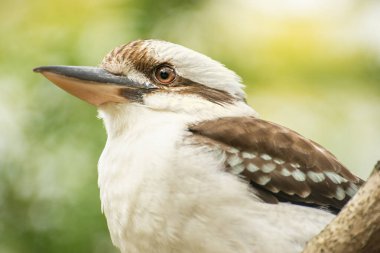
{"points": [[280, 164]]}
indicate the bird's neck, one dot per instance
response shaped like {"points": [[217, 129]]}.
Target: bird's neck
{"points": [[121, 118]]}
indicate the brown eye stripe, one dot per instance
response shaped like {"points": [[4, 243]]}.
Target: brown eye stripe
{"points": [[136, 54]]}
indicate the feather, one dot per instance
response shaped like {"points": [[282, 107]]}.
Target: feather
{"points": [[279, 161]]}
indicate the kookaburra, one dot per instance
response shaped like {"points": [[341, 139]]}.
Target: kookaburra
{"points": [[189, 167]]}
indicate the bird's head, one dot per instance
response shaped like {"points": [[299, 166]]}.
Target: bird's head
{"points": [[156, 74], [153, 82]]}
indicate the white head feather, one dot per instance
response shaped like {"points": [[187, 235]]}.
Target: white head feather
{"points": [[197, 67]]}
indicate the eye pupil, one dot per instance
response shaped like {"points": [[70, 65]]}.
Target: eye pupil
{"points": [[164, 74]]}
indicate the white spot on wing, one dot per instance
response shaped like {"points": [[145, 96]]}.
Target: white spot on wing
{"points": [[263, 180], [234, 160], [268, 167], [290, 192], [252, 167], [247, 155], [237, 169], [285, 172], [233, 150], [298, 175], [304, 194], [266, 157], [316, 177], [335, 178], [340, 195], [295, 165], [279, 161]]}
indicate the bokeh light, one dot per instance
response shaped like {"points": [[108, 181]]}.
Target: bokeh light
{"points": [[311, 65]]}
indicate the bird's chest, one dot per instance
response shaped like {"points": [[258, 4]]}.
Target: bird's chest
{"points": [[134, 184]]}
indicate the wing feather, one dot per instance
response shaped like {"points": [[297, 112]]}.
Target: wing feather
{"points": [[279, 162]]}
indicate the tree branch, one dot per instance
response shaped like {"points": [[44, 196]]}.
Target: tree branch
{"points": [[357, 227]]}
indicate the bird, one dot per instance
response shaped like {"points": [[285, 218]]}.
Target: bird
{"points": [[189, 166]]}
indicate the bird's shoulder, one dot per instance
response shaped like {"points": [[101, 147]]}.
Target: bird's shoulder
{"points": [[280, 164]]}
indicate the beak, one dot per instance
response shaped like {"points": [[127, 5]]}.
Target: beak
{"points": [[94, 85]]}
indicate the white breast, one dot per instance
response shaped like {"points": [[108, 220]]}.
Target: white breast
{"points": [[160, 195]]}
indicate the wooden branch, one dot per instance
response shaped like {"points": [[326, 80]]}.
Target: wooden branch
{"points": [[357, 227]]}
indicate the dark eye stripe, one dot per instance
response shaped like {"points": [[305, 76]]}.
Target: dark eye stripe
{"points": [[137, 54]]}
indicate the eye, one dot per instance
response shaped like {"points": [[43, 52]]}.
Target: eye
{"points": [[165, 74]]}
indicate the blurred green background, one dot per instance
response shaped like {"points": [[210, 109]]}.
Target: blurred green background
{"points": [[311, 65]]}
